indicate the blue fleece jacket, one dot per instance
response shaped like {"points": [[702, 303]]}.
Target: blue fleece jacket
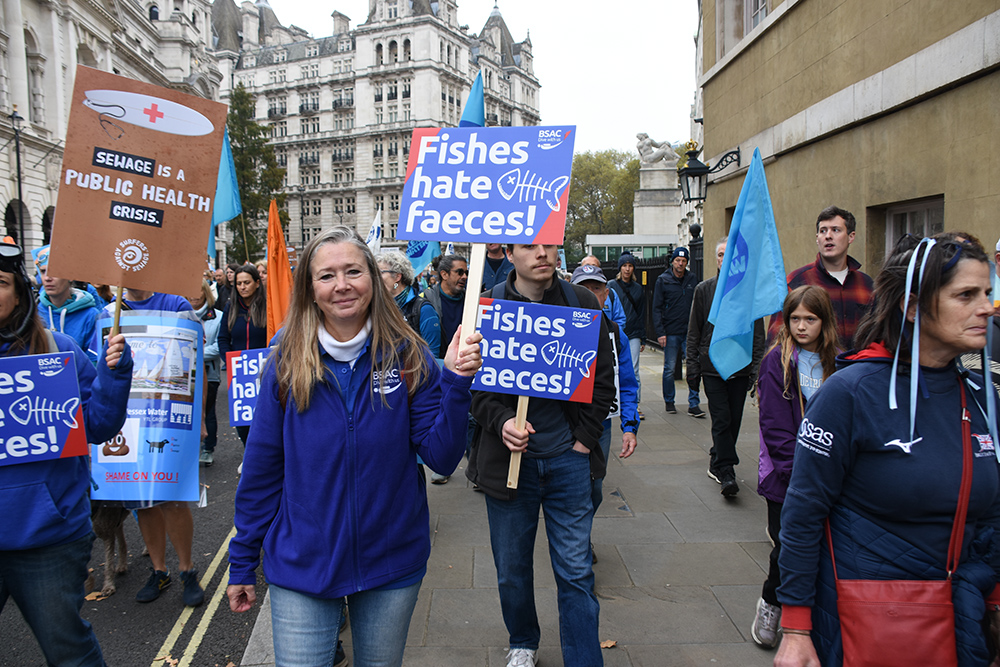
{"points": [[75, 317], [47, 502], [856, 463], [334, 495]]}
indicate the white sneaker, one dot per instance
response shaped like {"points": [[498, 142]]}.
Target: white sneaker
{"points": [[521, 657], [765, 624]]}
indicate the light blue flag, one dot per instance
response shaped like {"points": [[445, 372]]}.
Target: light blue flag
{"points": [[420, 254], [752, 279], [227, 193], [474, 113]]}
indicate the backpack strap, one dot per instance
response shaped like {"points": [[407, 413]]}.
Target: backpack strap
{"points": [[50, 340], [571, 298], [499, 291]]}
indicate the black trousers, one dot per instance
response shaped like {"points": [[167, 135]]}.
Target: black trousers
{"points": [[211, 421], [769, 592], [725, 407]]}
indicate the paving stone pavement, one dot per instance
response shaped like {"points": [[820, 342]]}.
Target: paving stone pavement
{"points": [[679, 567]]}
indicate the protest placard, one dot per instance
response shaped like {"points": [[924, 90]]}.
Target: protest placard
{"points": [[155, 455], [487, 185], [531, 349], [40, 411], [138, 177], [243, 370]]}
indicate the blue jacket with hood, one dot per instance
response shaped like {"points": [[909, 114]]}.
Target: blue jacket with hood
{"points": [[75, 318], [890, 498], [334, 495], [50, 499]]}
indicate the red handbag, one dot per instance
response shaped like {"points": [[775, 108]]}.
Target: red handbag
{"points": [[901, 623]]}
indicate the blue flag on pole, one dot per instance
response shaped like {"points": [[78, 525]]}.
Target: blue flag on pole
{"points": [[420, 254], [227, 193], [752, 279], [474, 114]]}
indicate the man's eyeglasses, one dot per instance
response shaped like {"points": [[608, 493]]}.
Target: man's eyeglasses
{"points": [[460, 272]]}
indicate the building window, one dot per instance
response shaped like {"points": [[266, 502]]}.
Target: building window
{"points": [[349, 203], [923, 218], [391, 11], [312, 50], [378, 116], [756, 11], [317, 207], [379, 202], [344, 45], [280, 56], [406, 112], [154, 13], [393, 202]]}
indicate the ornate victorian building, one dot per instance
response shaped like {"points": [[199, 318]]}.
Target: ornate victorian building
{"points": [[342, 108]]}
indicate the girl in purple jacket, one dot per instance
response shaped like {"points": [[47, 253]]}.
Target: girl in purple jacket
{"points": [[802, 357]]}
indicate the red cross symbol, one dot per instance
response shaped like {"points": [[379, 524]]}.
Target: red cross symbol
{"points": [[153, 113]]}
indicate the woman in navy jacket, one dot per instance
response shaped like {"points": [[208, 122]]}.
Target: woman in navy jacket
{"points": [[886, 474], [46, 537], [244, 320], [330, 487]]}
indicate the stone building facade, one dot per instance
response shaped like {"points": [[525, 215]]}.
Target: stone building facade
{"points": [[342, 108], [886, 109], [41, 44]]}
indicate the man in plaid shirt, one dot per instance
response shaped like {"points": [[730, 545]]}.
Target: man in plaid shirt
{"points": [[835, 271]]}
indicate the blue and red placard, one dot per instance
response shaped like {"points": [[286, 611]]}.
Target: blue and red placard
{"points": [[40, 413], [531, 349], [487, 185], [243, 371], [154, 457]]}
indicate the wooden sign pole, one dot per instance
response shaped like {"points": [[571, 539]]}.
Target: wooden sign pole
{"points": [[118, 312], [514, 471]]}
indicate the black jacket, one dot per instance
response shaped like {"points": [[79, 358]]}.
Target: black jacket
{"points": [[672, 303], [633, 299], [699, 338], [490, 458], [245, 335]]}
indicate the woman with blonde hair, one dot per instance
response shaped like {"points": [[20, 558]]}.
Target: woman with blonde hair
{"points": [[331, 489]]}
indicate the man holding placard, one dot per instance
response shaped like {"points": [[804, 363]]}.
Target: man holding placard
{"points": [[561, 456]]}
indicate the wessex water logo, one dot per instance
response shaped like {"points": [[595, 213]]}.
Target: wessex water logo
{"points": [[550, 138], [583, 319]]}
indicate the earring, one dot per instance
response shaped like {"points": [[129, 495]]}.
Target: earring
{"points": [[395, 285]]}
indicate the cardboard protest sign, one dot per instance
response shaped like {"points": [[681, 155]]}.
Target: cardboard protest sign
{"points": [[40, 411], [531, 349], [492, 185], [243, 371], [155, 455], [138, 177]]}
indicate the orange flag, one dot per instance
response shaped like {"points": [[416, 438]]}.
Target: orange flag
{"points": [[279, 274]]}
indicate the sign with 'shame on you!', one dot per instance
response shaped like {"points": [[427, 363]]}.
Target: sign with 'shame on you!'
{"points": [[41, 416], [487, 185], [243, 371], [537, 350], [137, 185]]}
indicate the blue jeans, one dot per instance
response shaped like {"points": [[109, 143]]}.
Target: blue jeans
{"points": [[306, 628], [47, 585], [675, 343], [561, 486], [597, 492]]}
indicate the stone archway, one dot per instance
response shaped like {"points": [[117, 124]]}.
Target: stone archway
{"points": [[12, 226]]}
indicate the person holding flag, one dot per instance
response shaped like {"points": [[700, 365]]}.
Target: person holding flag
{"points": [[726, 342]]}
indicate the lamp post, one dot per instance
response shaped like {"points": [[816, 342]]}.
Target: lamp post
{"points": [[694, 175], [15, 120], [302, 213]]}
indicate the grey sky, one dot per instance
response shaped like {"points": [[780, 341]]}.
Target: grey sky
{"points": [[611, 68]]}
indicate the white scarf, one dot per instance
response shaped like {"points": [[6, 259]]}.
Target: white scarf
{"points": [[348, 351]]}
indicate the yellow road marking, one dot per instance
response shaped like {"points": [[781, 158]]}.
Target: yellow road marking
{"points": [[175, 632]]}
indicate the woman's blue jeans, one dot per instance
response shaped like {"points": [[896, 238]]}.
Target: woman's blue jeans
{"points": [[562, 487], [48, 586], [306, 628]]}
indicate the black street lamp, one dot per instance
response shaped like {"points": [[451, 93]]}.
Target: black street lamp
{"points": [[302, 213], [15, 120], [694, 175]]}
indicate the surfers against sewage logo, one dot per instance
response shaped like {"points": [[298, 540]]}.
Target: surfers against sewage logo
{"points": [[132, 255]]}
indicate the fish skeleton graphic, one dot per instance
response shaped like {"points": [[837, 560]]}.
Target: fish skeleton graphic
{"points": [[530, 187], [44, 411], [565, 356]]}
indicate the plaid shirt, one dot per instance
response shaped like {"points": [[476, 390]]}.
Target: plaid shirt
{"points": [[850, 300]]}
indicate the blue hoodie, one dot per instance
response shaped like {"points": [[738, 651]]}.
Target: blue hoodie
{"points": [[856, 463], [47, 502], [334, 495], [75, 318]]}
